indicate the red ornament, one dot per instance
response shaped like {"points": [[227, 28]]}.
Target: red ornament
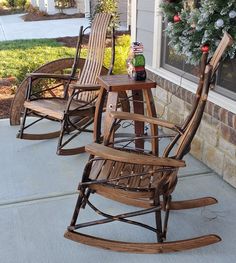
{"points": [[177, 18], [205, 49]]}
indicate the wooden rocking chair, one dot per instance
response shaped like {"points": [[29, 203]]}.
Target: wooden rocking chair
{"points": [[75, 109], [141, 179]]}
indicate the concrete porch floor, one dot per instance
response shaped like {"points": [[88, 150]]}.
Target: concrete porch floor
{"points": [[37, 198]]}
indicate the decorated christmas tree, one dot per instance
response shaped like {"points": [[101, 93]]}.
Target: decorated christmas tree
{"points": [[197, 26]]}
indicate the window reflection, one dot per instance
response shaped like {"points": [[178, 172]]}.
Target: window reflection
{"points": [[226, 75]]}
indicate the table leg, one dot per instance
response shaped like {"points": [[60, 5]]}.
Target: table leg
{"points": [[138, 108], [112, 100], [151, 112], [98, 115]]}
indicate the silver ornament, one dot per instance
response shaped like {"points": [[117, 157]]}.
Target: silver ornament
{"points": [[219, 23], [232, 14]]}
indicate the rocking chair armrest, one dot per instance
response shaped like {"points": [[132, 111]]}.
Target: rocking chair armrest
{"points": [[51, 75], [85, 87], [127, 157], [139, 117]]}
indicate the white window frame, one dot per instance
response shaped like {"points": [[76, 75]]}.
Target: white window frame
{"points": [[214, 97]]}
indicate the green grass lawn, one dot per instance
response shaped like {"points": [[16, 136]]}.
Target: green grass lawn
{"points": [[23, 56]]}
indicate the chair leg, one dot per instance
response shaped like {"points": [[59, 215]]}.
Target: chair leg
{"points": [[157, 247], [67, 127], [158, 218], [166, 205], [33, 136], [62, 132], [22, 127], [79, 203]]}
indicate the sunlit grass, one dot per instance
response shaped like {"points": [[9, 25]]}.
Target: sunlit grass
{"points": [[23, 56]]}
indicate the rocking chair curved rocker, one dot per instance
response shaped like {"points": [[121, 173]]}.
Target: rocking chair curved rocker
{"points": [[141, 179], [75, 108]]}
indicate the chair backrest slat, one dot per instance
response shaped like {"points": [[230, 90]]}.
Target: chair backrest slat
{"points": [[95, 54], [195, 104], [188, 135], [224, 43], [96, 49]]}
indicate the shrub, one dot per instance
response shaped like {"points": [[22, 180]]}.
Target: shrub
{"points": [[11, 3], [108, 6], [20, 3], [34, 10], [16, 3]]}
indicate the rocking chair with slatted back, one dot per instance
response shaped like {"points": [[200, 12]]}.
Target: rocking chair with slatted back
{"points": [[141, 179], [75, 109]]}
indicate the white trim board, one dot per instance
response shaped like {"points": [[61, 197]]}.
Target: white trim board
{"points": [[213, 97], [133, 19]]}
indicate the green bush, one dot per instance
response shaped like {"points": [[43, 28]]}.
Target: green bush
{"points": [[16, 3], [11, 3], [20, 3], [23, 56], [108, 6]]}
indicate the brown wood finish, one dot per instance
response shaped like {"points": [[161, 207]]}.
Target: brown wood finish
{"points": [[122, 156], [194, 203], [124, 82], [55, 108], [226, 41], [142, 179], [146, 248], [44, 136], [151, 111], [17, 105], [145, 199], [138, 108], [98, 115], [50, 75], [142, 118], [112, 102], [79, 100], [116, 84]]}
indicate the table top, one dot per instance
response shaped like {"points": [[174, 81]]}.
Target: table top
{"points": [[124, 82]]}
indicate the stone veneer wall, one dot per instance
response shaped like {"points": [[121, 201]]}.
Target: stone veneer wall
{"points": [[215, 141]]}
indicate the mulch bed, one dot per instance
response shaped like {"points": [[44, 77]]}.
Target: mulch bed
{"points": [[34, 17], [6, 96], [5, 105], [71, 41]]}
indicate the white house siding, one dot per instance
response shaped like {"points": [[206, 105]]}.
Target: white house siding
{"points": [[145, 27], [122, 9]]}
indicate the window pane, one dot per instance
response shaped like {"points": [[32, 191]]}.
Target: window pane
{"points": [[227, 75], [172, 59], [177, 62]]}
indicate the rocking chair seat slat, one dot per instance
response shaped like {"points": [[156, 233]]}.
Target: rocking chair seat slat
{"points": [[55, 108]]}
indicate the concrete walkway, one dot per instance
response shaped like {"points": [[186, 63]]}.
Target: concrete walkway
{"points": [[13, 27], [37, 197]]}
